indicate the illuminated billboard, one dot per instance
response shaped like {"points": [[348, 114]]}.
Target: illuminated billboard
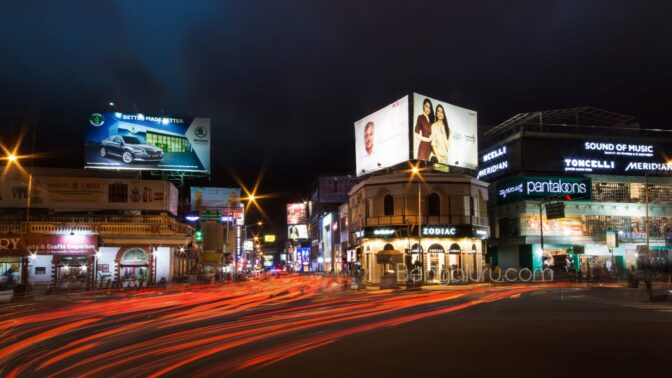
{"points": [[214, 198], [444, 133], [143, 142], [296, 213], [297, 231], [381, 139]]}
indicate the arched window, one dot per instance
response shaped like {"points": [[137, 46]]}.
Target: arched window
{"points": [[388, 247], [434, 205], [134, 254], [388, 205]]}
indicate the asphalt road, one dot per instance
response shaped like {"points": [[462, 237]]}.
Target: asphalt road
{"points": [[309, 327]]}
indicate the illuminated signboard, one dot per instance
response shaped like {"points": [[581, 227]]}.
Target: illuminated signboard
{"points": [[381, 139], [494, 161], [269, 238], [214, 198], [597, 157], [296, 213], [539, 187], [144, 142], [444, 133], [443, 231], [297, 231]]}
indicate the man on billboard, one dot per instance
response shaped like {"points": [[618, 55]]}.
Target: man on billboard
{"points": [[369, 162]]}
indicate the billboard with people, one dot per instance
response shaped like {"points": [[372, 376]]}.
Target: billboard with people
{"points": [[444, 134], [143, 142], [382, 139]]}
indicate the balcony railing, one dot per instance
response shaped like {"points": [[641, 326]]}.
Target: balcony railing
{"points": [[431, 220], [116, 226]]}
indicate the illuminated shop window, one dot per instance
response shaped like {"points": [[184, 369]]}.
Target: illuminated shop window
{"points": [[169, 143]]}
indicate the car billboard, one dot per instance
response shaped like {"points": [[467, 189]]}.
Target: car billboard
{"points": [[214, 198], [143, 142], [381, 139], [443, 133], [296, 213]]}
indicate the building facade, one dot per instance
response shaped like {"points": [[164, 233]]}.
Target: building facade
{"points": [[435, 222], [610, 175], [70, 230]]}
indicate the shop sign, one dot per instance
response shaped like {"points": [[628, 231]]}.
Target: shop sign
{"points": [[382, 232], [63, 244], [632, 235], [438, 231], [461, 231], [493, 162], [10, 243], [539, 187]]}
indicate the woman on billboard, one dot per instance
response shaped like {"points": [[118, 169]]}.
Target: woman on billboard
{"points": [[423, 130], [440, 137]]}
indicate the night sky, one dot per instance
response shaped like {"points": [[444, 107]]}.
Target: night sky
{"points": [[284, 81]]}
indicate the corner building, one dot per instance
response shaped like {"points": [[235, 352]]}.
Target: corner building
{"points": [[615, 174], [437, 221]]}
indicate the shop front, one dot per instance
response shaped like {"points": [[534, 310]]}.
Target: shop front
{"points": [[62, 261], [431, 255]]}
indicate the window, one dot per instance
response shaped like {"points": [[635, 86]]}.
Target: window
{"points": [[388, 205], [434, 205]]}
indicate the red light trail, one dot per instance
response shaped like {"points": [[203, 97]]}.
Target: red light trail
{"points": [[208, 330]]}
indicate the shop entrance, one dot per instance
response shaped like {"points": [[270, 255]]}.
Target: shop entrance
{"points": [[72, 272], [134, 268], [10, 272]]}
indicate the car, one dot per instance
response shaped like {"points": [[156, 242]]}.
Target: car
{"points": [[130, 149]]}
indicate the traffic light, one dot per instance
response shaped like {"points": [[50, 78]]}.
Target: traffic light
{"points": [[198, 235]]}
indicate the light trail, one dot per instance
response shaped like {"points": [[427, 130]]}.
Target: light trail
{"points": [[209, 330]]}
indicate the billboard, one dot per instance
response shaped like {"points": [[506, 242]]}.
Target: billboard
{"points": [[333, 189], [214, 198], [444, 133], [84, 193], [135, 141], [296, 213], [297, 231], [381, 139]]}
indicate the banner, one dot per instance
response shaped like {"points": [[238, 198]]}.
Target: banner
{"points": [[86, 193], [144, 142], [297, 232], [214, 198], [381, 139], [296, 213], [444, 133]]}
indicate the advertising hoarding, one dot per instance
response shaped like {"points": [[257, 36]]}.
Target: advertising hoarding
{"points": [[136, 141], [333, 189], [84, 193], [297, 232], [214, 198], [296, 213], [444, 133], [381, 139]]}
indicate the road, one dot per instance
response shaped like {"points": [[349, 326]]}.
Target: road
{"points": [[308, 326]]}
